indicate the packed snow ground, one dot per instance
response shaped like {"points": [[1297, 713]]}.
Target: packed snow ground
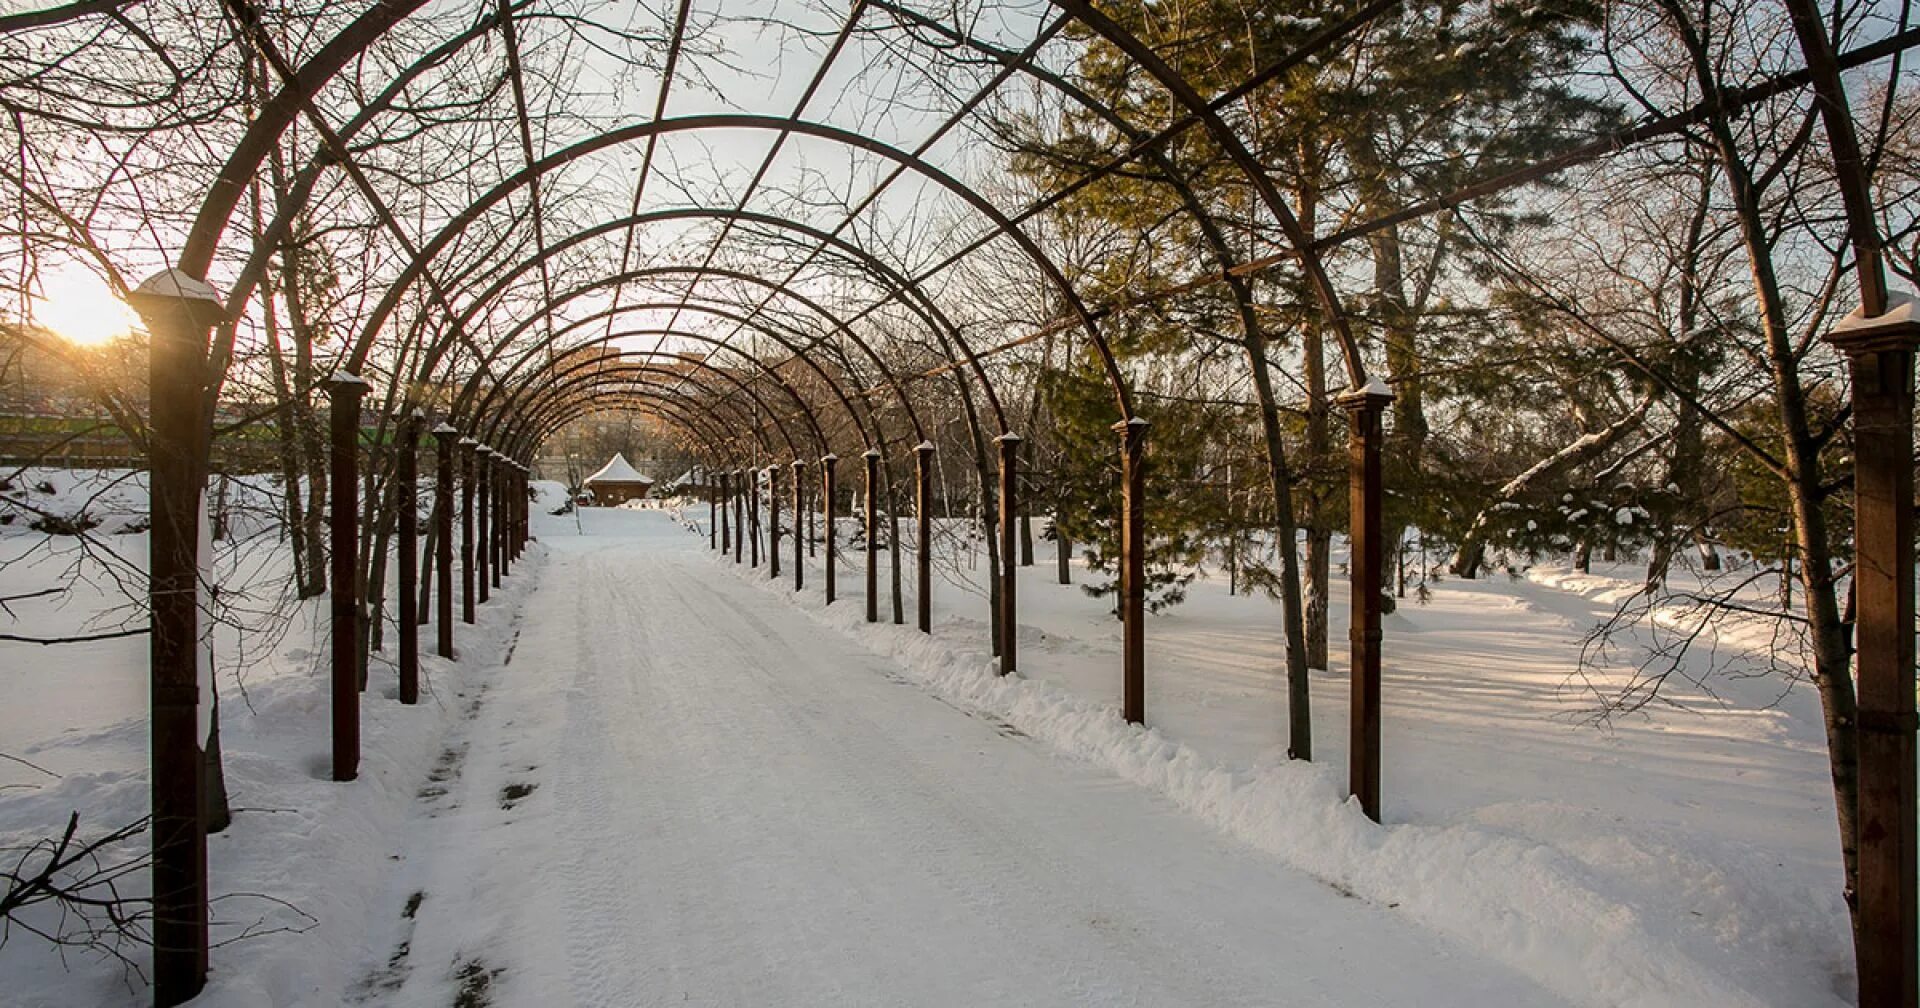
{"points": [[675, 787]]}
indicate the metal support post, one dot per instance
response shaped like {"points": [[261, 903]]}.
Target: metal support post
{"points": [[178, 311], [872, 518], [1366, 496], [1009, 500], [923, 533], [1880, 358], [1133, 568], [799, 536], [829, 476], [409, 559]]}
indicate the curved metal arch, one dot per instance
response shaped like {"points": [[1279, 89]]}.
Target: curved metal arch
{"points": [[719, 312], [535, 431], [532, 429], [902, 288], [798, 352], [626, 376], [1181, 90], [271, 120], [297, 195], [1174, 178], [625, 373], [558, 412], [482, 409], [897, 285], [278, 113], [459, 222], [617, 279]]}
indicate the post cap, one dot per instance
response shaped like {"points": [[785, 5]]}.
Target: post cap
{"points": [[829, 457], [468, 443], [1897, 328], [871, 453], [173, 289], [1375, 391], [482, 448], [1009, 437], [1131, 424], [444, 429], [924, 446], [799, 463], [341, 381]]}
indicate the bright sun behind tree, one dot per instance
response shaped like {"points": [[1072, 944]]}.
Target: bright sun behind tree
{"points": [[80, 308]]}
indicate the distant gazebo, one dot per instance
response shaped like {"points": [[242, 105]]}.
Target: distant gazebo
{"points": [[618, 482]]}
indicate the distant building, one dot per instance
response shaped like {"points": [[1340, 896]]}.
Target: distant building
{"points": [[617, 483]]}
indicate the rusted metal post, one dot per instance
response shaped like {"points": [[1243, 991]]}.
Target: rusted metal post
{"points": [[1365, 501], [1133, 568], [872, 517], [739, 515], [1009, 515], [526, 511], [497, 478], [923, 533], [483, 522], [1880, 358], [773, 522], [726, 514], [409, 559], [752, 477], [447, 438], [829, 476], [509, 516], [178, 311], [467, 446], [799, 536], [343, 522]]}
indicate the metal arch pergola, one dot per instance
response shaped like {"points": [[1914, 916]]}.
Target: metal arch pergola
{"points": [[516, 388]]}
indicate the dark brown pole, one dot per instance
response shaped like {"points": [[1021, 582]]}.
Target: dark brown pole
{"points": [[1366, 496], [726, 514], [1133, 568], [526, 512], [178, 311], [1881, 361], [484, 521], [343, 520], [713, 510], [752, 478], [739, 515], [1009, 612], [829, 471], [799, 535], [409, 519], [510, 501], [447, 438], [496, 536], [872, 516], [923, 532], [773, 522], [467, 446]]}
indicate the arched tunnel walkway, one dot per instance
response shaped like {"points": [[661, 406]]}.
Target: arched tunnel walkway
{"points": [[681, 789]]}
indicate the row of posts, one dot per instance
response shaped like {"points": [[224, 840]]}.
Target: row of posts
{"points": [[179, 311], [733, 524], [494, 531]]}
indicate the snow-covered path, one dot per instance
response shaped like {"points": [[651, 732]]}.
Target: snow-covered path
{"points": [[676, 793]]}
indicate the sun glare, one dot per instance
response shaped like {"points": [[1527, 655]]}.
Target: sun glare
{"points": [[80, 308]]}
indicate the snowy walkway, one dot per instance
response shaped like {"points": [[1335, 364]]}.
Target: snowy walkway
{"points": [[677, 793]]}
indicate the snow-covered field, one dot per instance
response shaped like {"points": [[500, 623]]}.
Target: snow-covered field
{"points": [[1682, 855], [664, 792]]}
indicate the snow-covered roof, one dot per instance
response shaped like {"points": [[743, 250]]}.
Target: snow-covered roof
{"points": [[618, 470]]}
